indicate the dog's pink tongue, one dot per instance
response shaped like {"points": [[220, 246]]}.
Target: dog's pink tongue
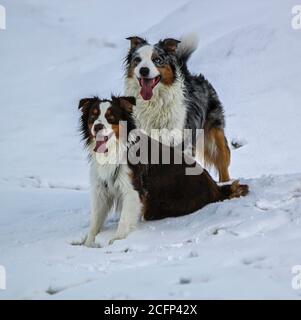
{"points": [[147, 88], [101, 147]]}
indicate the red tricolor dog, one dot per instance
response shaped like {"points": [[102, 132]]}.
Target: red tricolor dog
{"points": [[154, 190]]}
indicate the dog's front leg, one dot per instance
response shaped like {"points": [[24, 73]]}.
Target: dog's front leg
{"points": [[130, 214], [101, 203]]}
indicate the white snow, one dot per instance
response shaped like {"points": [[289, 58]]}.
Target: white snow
{"points": [[53, 53]]}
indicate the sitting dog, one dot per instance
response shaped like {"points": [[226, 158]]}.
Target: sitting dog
{"points": [[155, 190], [165, 189], [111, 183]]}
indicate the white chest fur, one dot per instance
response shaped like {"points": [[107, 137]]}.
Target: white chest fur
{"points": [[166, 109], [107, 170], [111, 184]]}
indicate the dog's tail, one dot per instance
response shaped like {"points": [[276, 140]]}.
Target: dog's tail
{"points": [[187, 46], [234, 190]]}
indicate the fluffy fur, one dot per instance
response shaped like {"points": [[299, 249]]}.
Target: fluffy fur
{"points": [[111, 184], [166, 190], [170, 97]]}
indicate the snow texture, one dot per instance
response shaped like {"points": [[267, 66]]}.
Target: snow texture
{"points": [[53, 53]]}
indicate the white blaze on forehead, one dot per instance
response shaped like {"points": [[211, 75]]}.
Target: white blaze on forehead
{"points": [[103, 107], [145, 53]]}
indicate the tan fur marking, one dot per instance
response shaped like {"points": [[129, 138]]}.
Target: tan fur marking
{"points": [[115, 128], [238, 190], [167, 75], [131, 71], [217, 152]]}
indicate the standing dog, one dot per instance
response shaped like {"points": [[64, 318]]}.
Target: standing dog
{"points": [[170, 97]]}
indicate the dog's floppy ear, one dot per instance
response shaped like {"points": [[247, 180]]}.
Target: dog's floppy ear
{"points": [[169, 45], [127, 103], [131, 100], [136, 41], [84, 104]]}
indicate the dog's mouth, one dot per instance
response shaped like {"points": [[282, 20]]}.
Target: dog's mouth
{"points": [[101, 142], [147, 86]]}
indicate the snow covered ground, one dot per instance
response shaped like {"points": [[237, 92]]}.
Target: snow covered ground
{"points": [[55, 52]]}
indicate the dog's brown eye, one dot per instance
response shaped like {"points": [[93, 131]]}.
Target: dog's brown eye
{"points": [[137, 60], [95, 112]]}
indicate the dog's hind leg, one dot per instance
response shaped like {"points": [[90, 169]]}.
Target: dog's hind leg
{"points": [[217, 152]]}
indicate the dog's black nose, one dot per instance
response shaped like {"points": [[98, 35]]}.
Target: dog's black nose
{"points": [[144, 71], [98, 127]]}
